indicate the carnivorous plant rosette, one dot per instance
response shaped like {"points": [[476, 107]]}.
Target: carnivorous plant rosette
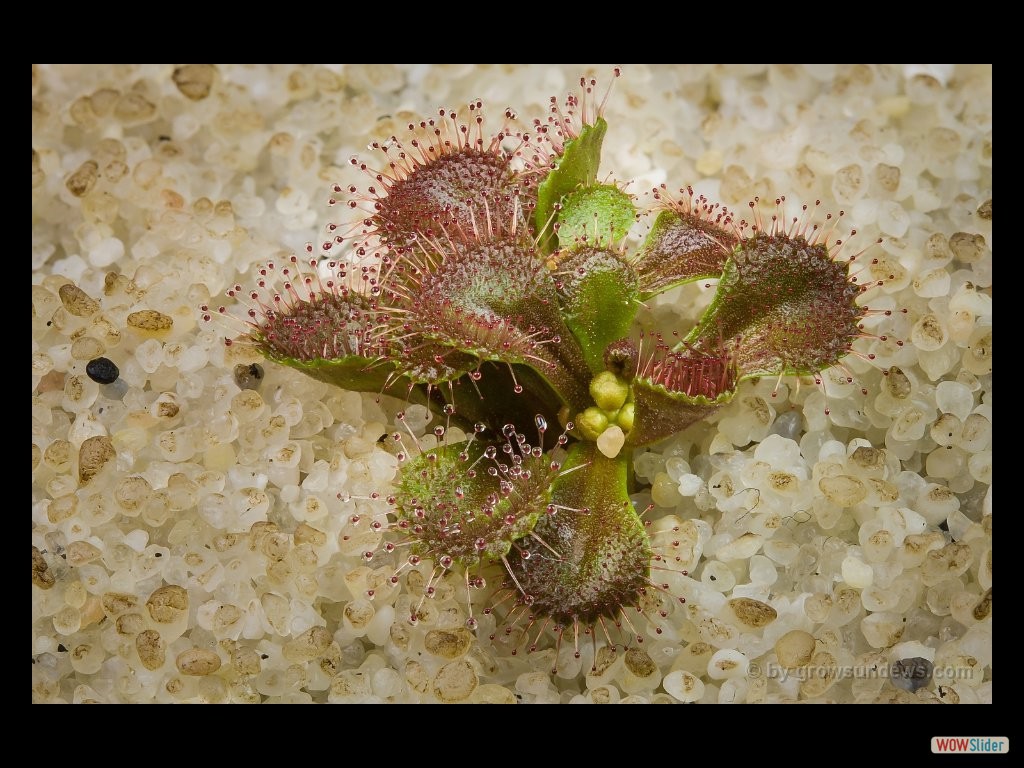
{"points": [[494, 278]]}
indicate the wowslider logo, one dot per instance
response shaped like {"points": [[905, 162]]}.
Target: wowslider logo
{"points": [[978, 745]]}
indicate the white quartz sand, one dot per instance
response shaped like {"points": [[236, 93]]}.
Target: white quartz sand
{"points": [[193, 526]]}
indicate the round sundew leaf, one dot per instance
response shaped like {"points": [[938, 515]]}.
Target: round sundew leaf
{"points": [[670, 390], [470, 501], [599, 293], [455, 189], [576, 167], [783, 305], [425, 362], [598, 215], [681, 247], [659, 412], [495, 300], [331, 337], [327, 326], [604, 552]]}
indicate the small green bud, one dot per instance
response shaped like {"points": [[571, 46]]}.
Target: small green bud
{"points": [[625, 417], [592, 422], [608, 391]]}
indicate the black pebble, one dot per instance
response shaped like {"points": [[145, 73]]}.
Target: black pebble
{"points": [[911, 674], [248, 376], [102, 371]]}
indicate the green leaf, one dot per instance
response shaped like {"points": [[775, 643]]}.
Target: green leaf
{"points": [[598, 216], [448, 187], [470, 501], [603, 553], [783, 306], [680, 248], [660, 412], [600, 299], [427, 362], [497, 301], [576, 167]]}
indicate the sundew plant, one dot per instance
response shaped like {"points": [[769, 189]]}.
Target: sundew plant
{"points": [[495, 277]]}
